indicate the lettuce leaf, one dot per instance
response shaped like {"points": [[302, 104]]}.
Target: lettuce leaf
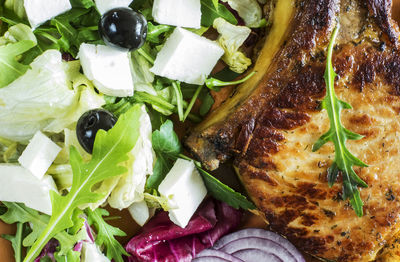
{"points": [[111, 148], [130, 187], [50, 96], [231, 39], [249, 10]]}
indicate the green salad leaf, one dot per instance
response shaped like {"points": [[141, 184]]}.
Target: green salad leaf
{"points": [[210, 11], [106, 234], [10, 68], [167, 146], [338, 134], [16, 241], [224, 193], [110, 149], [19, 213]]}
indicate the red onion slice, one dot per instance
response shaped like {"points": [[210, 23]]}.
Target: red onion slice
{"points": [[218, 253], [263, 244], [209, 259], [261, 233], [251, 255]]}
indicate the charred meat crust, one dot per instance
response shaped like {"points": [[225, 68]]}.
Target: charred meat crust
{"points": [[381, 11], [270, 134]]}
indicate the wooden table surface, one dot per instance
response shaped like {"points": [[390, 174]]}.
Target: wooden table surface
{"points": [[127, 225]]}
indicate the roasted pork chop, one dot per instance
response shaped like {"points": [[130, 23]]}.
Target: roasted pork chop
{"points": [[271, 122]]}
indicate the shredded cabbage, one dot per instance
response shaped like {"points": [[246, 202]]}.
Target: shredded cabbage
{"points": [[231, 39], [249, 10]]}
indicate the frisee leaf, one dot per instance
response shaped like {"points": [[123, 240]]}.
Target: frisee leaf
{"points": [[19, 213], [110, 149], [106, 234], [338, 134]]}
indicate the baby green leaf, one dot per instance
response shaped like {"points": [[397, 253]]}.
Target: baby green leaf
{"points": [[338, 134], [110, 149], [106, 234], [10, 68], [210, 11]]}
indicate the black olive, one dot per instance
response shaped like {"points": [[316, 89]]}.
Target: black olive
{"points": [[88, 125], [124, 28]]}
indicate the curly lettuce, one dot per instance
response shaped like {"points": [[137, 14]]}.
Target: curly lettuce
{"points": [[50, 96], [249, 10], [231, 39]]}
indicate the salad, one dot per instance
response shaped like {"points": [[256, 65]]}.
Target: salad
{"points": [[88, 91]]}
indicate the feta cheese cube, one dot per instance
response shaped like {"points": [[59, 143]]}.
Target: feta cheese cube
{"points": [[105, 5], [184, 188], [109, 69], [40, 11], [183, 13], [39, 154], [17, 184], [187, 57]]}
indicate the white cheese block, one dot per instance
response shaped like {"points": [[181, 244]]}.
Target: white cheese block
{"points": [[109, 69], [105, 5], [184, 188], [183, 13], [39, 154], [17, 184], [40, 11], [187, 57]]}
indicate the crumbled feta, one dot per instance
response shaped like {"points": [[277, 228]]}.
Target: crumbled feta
{"points": [[17, 184], [187, 57], [39, 154], [105, 5], [183, 13], [109, 69], [184, 188], [40, 11]]}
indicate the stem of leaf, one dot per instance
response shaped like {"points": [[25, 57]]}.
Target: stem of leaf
{"points": [[178, 93], [194, 98], [146, 55]]}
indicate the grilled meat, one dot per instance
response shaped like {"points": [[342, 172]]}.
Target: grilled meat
{"points": [[270, 123]]}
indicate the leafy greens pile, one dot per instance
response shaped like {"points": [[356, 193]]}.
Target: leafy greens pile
{"points": [[80, 176]]}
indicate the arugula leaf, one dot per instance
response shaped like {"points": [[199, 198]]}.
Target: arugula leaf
{"points": [[106, 234], [154, 32], [82, 3], [10, 68], [214, 84], [224, 193], [110, 149], [167, 146], [19, 213], [210, 11], [16, 241], [338, 134]]}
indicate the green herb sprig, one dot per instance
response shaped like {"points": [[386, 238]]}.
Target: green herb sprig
{"points": [[338, 134]]}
